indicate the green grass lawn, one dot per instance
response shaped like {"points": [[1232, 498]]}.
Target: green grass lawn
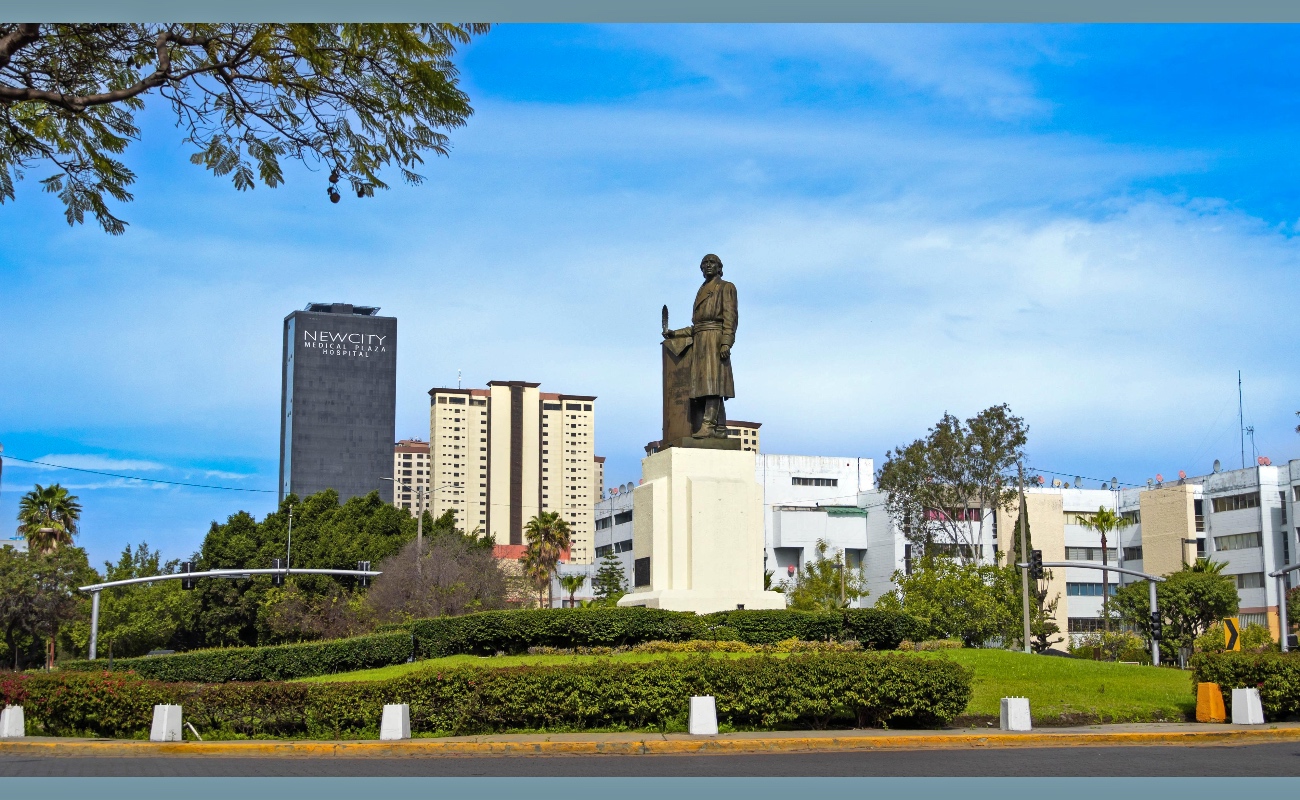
{"points": [[1064, 691], [1061, 691]]}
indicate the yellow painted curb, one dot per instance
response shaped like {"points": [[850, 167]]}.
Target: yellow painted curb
{"points": [[651, 746]]}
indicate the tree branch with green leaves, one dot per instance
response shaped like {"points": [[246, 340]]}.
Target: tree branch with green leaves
{"points": [[353, 98]]}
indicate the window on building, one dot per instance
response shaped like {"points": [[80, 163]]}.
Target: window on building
{"points": [[1200, 547], [1282, 499], [1260, 619], [907, 559], [1250, 580], [604, 550], [624, 546], [1084, 624], [1087, 589], [573, 407], [1238, 541], [1079, 517], [1133, 517], [1092, 554], [1133, 553], [814, 481], [603, 522], [622, 517], [1235, 502]]}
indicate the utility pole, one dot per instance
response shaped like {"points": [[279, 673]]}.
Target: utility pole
{"points": [[1024, 553], [288, 549]]}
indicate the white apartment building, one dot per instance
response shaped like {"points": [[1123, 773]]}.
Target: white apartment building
{"points": [[504, 454], [410, 474]]}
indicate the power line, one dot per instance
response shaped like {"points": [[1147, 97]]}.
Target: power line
{"points": [[136, 478]]}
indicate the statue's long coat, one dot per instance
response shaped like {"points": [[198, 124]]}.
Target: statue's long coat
{"points": [[713, 324]]}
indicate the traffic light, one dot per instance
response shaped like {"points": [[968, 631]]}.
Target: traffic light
{"points": [[277, 578], [364, 566], [186, 567], [1157, 626], [1036, 565]]}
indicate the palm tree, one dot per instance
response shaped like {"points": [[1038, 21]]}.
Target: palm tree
{"points": [[535, 570], [47, 516], [1206, 565], [1104, 522], [549, 535], [571, 584]]}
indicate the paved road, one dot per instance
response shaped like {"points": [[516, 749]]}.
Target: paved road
{"points": [[1281, 760]]}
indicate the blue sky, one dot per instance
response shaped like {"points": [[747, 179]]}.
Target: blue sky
{"points": [[1096, 225]]}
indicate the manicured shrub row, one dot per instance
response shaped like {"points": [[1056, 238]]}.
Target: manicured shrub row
{"points": [[275, 663], [1276, 675], [814, 690], [514, 632]]}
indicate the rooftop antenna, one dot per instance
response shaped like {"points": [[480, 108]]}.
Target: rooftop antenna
{"points": [[458, 379], [1250, 431], [1241, 422]]}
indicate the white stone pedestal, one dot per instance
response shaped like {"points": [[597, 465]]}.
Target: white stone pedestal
{"points": [[166, 724], [1246, 707], [11, 723], [697, 522], [704, 716], [1015, 714], [395, 724]]}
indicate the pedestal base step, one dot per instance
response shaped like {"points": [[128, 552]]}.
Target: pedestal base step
{"points": [[701, 602]]}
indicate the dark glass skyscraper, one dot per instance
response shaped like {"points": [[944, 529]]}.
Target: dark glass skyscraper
{"points": [[338, 401]]}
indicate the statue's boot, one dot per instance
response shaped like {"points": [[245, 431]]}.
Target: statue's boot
{"points": [[709, 426]]}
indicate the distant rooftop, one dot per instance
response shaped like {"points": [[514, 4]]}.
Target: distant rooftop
{"points": [[342, 308]]}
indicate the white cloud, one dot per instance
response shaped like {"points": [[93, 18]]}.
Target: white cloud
{"points": [[96, 462]]}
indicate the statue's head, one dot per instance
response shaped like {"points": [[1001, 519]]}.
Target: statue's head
{"points": [[711, 266]]}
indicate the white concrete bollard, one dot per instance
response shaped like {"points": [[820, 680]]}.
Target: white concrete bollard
{"points": [[166, 724], [1015, 714], [11, 723], [396, 722], [1246, 708], [704, 716]]}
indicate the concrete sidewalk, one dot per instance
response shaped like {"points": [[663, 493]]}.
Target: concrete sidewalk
{"points": [[1190, 734]]}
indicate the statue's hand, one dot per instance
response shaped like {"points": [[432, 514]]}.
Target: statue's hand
{"points": [[725, 351]]}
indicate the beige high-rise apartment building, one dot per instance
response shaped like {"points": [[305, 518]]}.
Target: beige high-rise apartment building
{"points": [[503, 454], [410, 473]]}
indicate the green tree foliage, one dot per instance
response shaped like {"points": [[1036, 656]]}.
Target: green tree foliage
{"points": [[1190, 601], [967, 601], [38, 596], [138, 618], [355, 98], [457, 575], [610, 583], [549, 539], [933, 484], [326, 535], [571, 584], [825, 583], [47, 517]]}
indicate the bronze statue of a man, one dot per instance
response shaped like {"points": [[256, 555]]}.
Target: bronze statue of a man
{"points": [[712, 333]]}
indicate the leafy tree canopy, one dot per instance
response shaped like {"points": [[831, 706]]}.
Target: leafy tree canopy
{"points": [[38, 595], [931, 483], [1190, 601], [355, 98], [970, 601], [136, 619], [48, 517], [825, 583], [326, 535]]}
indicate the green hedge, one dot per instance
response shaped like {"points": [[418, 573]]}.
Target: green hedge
{"points": [[875, 629], [513, 632], [802, 691], [1276, 675], [275, 663]]}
